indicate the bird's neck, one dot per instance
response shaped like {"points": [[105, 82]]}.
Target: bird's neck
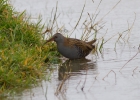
{"points": [[61, 41]]}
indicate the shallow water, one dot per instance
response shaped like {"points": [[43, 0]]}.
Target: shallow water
{"points": [[87, 79]]}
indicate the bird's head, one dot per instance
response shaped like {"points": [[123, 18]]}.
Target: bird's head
{"points": [[56, 37]]}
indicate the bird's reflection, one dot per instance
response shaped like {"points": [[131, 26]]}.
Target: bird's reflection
{"points": [[75, 67]]}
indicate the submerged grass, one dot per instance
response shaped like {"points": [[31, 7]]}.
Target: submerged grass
{"points": [[21, 51]]}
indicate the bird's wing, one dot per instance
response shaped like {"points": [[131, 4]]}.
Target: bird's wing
{"points": [[78, 43]]}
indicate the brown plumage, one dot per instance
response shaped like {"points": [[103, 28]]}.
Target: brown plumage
{"points": [[72, 48]]}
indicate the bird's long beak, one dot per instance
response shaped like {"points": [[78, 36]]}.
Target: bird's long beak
{"points": [[51, 39]]}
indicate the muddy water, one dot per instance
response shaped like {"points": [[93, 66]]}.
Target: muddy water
{"points": [[96, 77]]}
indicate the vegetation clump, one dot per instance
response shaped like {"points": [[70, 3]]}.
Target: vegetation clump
{"points": [[21, 51]]}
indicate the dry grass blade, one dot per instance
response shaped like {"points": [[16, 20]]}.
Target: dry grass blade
{"points": [[79, 18], [47, 30], [134, 70], [78, 84], [54, 15], [82, 88], [121, 34], [93, 82], [96, 10], [129, 61], [109, 73], [129, 29], [59, 88], [108, 12], [52, 21]]}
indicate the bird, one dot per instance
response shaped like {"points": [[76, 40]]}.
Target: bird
{"points": [[72, 48]]}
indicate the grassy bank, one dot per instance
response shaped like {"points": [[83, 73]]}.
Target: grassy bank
{"points": [[21, 52]]}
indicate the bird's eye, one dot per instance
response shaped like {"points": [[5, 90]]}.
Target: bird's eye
{"points": [[55, 37]]}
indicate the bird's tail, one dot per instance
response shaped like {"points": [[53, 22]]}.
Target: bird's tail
{"points": [[91, 42]]}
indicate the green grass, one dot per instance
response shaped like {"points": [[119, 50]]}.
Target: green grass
{"points": [[21, 53]]}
